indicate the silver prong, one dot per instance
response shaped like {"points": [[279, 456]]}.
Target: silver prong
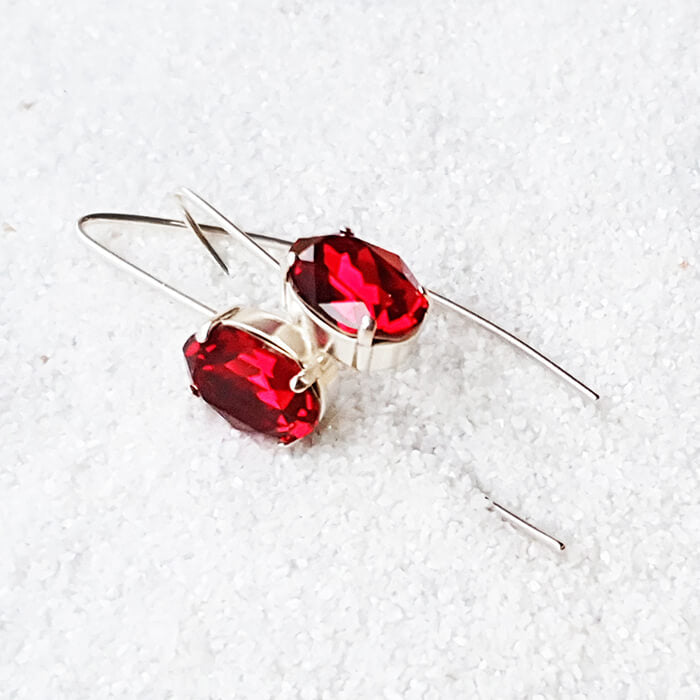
{"points": [[513, 340], [203, 331], [301, 382], [310, 374], [522, 523], [362, 359], [366, 331]]}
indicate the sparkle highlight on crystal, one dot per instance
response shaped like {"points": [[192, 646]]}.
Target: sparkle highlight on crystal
{"points": [[344, 278]]}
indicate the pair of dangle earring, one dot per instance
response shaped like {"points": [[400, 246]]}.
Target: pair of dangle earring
{"points": [[348, 303]]}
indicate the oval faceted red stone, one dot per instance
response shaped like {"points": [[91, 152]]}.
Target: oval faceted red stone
{"points": [[247, 381], [344, 278]]}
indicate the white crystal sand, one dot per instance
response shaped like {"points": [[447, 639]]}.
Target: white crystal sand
{"points": [[537, 161]]}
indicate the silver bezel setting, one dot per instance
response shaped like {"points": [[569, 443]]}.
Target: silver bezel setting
{"points": [[363, 351]]}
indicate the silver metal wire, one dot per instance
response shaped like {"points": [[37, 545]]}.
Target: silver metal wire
{"points": [[255, 242], [514, 341], [89, 222], [186, 195], [516, 520]]}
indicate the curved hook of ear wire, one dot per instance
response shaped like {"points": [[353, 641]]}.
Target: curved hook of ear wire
{"points": [[254, 241]]}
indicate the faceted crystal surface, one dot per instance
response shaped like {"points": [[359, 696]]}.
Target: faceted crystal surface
{"points": [[344, 278], [247, 381]]}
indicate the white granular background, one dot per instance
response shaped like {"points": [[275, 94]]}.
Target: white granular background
{"points": [[539, 162]]}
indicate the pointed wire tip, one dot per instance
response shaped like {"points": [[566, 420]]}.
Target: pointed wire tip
{"points": [[513, 340], [518, 521], [224, 223], [197, 229]]}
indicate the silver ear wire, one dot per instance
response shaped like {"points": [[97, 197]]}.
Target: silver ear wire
{"points": [[254, 240]]}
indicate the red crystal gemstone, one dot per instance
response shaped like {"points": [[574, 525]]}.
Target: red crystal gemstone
{"points": [[247, 381], [344, 278]]}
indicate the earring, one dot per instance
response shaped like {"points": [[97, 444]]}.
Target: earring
{"points": [[261, 373], [348, 302]]}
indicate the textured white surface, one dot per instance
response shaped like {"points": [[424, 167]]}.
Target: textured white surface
{"points": [[537, 160]]}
